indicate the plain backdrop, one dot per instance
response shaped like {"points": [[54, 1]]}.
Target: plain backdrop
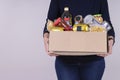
{"points": [[22, 54]]}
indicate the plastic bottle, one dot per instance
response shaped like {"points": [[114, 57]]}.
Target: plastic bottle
{"points": [[66, 16]]}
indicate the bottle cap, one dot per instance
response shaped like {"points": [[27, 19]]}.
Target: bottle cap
{"points": [[66, 9], [97, 15]]}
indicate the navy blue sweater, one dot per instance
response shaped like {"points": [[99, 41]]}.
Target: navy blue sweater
{"points": [[80, 7]]}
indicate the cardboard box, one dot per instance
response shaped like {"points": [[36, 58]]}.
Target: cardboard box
{"points": [[78, 43]]}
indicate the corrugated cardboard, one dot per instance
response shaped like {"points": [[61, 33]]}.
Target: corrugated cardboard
{"points": [[78, 43]]}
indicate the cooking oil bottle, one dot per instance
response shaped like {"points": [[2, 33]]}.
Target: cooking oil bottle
{"points": [[66, 16]]}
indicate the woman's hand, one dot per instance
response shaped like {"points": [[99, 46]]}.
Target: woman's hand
{"points": [[110, 44], [46, 44]]}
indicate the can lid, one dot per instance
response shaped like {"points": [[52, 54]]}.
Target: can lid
{"points": [[97, 15], [66, 9]]}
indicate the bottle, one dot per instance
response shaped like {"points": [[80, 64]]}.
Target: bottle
{"points": [[66, 16], [98, 18]]}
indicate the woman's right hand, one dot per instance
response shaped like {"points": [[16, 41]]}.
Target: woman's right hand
{"points": [[46, 44]]}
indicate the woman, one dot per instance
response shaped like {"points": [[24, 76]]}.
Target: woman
{"points": [[80, 67]]}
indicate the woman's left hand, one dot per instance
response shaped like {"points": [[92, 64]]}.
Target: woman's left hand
{"points": [[110, 44]]}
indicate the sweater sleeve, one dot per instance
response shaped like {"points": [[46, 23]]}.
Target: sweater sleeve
{"points": [[53, 13], [104, 10]]}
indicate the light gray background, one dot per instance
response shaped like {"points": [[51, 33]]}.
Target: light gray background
{"points": [[22, 55]]}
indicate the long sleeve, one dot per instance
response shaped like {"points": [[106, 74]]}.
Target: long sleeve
{"points": [[53, 13], [104, 10]]}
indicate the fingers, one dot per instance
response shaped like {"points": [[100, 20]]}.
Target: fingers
{"points": [[50, 53], [105, 54], [46, 43], [110, 44], [102, 55]]}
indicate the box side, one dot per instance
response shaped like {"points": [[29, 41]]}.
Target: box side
{"points": [[91, 42]]}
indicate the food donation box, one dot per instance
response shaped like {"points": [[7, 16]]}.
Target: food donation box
{"points": [[78, 43]]}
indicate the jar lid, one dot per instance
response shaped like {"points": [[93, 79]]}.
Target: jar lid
{"points": [[97, 15]]}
